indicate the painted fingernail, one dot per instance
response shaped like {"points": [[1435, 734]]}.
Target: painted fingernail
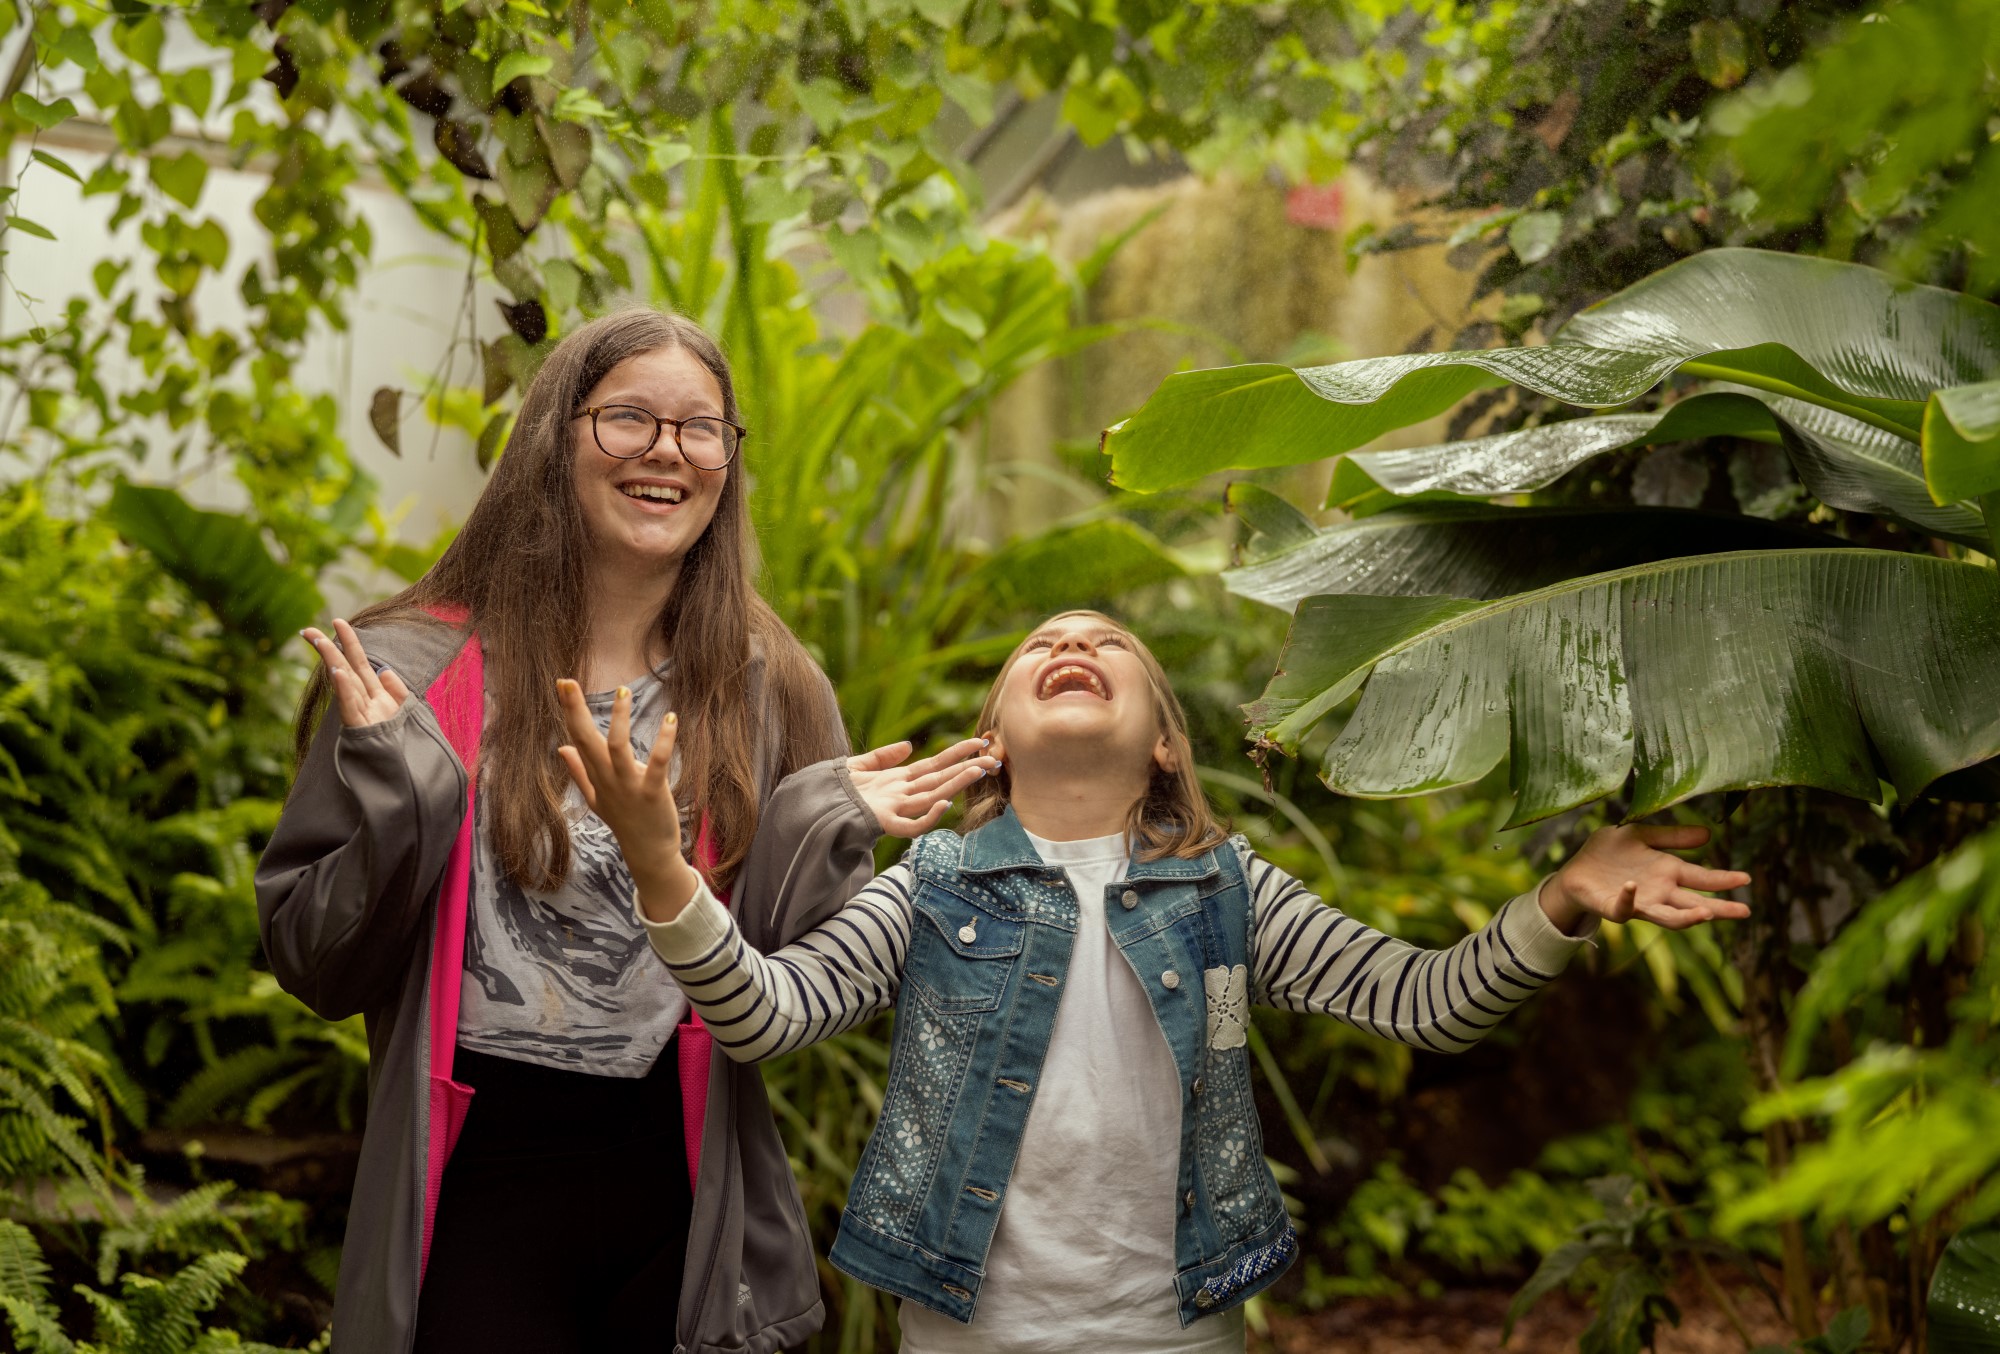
{"points": [[623, 692], [982, 773], [673, 718]]}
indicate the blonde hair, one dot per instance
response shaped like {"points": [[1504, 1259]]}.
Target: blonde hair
{"points": [[1173, 817]]}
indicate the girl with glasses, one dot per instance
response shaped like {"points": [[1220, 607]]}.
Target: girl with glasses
{"points": [[555, 1158]]}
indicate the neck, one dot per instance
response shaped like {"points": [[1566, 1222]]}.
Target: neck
{"points": [[1074, 805], [623, 642]]}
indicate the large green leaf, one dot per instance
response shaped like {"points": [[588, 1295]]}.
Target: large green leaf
{"points": [[1831, 668], [1487, 552], [1965, 1294], [220, 557], [1962, 442], [1849, 337], [1840, 460]]}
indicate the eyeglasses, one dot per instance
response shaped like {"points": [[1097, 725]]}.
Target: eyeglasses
{"points": [[628, 432]]}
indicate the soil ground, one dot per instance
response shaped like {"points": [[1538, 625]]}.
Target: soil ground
{"points": [[1468, 1321]]}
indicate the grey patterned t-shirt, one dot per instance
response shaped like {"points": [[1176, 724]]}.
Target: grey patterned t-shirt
{"points": [[567, 979]]}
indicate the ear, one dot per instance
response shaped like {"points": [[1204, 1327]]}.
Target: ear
{"points": [[998, 748], [1163, 756]]}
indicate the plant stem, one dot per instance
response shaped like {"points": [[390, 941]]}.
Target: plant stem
{"points": [[1734, 376], [1708, 1281]]}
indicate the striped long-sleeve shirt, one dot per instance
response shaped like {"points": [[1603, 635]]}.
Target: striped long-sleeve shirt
{"points": [[1306, 956]]}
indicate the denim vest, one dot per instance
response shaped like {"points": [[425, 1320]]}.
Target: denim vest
{"points": [[990, 948]]}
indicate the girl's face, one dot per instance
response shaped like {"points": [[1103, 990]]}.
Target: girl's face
{"points": [[1079, 693], [648, 512]]}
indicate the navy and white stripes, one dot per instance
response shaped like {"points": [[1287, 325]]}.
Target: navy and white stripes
{"points": [[1307, 957]]}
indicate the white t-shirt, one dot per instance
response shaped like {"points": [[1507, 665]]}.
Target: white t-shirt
{"points": [[1083, 1258]]}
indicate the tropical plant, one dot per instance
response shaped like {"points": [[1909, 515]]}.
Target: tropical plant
{"points": [[1600, 649]]}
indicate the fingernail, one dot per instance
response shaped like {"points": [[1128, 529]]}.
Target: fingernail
{"points": [[623, 692], [982, 772], [673, 718]]}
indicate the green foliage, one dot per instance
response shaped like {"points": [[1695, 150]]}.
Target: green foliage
{"points": [[1621, 1254], [1883, 130], [1965, 1293], [146, 1315]]}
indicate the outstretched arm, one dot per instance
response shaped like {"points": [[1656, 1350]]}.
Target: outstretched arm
{"points": [[1311, 957], [831, 979]]}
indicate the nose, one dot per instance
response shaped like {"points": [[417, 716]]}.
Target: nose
{"points": [[1076, 644], [666, 448]]}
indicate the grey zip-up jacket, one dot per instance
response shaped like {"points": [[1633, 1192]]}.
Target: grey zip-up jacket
{"points": [[348, 905]]}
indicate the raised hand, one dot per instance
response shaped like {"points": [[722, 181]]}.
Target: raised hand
{"points": [[361, 696], [908, 800], [633, 798], [1625, 872]]}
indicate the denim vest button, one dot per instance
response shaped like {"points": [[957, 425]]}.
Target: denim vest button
{"points": [[1130, 898], [1198, 1083], [967, 934], [1204, 1299], [1170, 980], [1188, 1199]]}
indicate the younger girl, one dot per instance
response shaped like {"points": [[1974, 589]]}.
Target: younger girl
{"points": [[1068, 1155]]}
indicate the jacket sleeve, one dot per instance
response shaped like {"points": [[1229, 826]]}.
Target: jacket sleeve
{"points": [[814, 850], [1311, 957], [833, 978], [342, 887]]}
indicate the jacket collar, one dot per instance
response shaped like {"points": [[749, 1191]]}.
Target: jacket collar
{"points": [[1003, 845]]}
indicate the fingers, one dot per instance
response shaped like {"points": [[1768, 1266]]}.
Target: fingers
{"points": [[582, 729], [1716, 881], [959, 776], [357, 658], [950, 757], [574, 763], [660, 760], [1678, 909], [1672, 836], [882, 758], [349, 697], [619, 735], [393, 684]]}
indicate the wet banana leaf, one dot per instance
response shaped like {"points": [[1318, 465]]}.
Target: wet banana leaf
{"points": [[1964, 1299], [1841, 461], [1488, 552], [1962, 442], [1831, 668], [1841, 336], [1275, 525]]}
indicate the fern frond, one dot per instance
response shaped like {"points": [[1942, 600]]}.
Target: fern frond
{"points": [[24, 1274]]}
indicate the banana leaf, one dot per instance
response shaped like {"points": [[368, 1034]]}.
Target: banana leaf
{"points": [[1488, 552], [1841, 461], [1962, 442], [1965, 1294], [220, 557], [1841, 336], [1832, 668]]}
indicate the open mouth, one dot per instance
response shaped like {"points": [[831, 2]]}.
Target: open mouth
{"points": [[1066, 677], [654, 493]]}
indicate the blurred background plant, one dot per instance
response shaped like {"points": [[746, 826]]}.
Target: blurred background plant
{"points": [[849, 197]]}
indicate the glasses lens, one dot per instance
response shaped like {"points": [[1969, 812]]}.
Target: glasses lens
{"points": [[626, 431], [708, 442]]}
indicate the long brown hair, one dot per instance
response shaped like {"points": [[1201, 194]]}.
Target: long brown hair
{"points": [[1173, 817], [519, 568]]}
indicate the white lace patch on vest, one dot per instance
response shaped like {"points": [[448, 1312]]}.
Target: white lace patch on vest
{"points": [[1228, 1005]]}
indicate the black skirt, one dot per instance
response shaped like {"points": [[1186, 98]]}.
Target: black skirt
{"points": [[562, 1223]]}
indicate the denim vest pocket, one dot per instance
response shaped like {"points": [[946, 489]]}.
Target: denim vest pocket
{"points": [[960, 956]]}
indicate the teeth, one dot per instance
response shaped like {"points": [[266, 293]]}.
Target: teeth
{"points": [[1056, 678], [663, 493]]}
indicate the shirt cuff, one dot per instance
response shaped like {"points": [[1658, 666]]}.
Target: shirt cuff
{"points": [[1535, 940], [691, 936]]}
